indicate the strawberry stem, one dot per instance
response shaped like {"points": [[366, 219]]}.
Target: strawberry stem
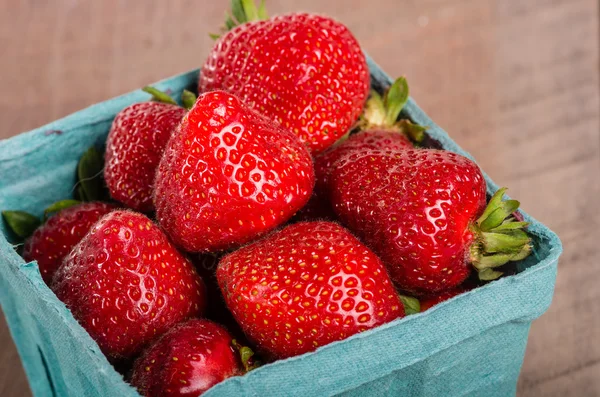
{"points": [[188, 98], [59, 206], [247, 356], [411, 305], [383, 112], [500, 237], [242, 11], [159, 96]]}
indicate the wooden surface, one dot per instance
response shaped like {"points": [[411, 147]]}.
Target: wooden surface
{"points": [[515, 82]]}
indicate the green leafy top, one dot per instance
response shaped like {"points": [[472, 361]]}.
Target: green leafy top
{"points": [[243, 11], [411, 305], [384, 111], [247, 356], [89, 187], [158, 95], [188, 98], [90, 182], [500, 237]]}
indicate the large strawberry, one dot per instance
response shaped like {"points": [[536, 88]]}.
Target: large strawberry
{"points": [[422, 212], [186, 361], [229, 175], [305, 286], [307, 72], [54, 239], [137, 138], [126, 284]]}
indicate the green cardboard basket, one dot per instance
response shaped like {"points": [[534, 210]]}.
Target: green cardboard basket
{"points": [[472, 345]]}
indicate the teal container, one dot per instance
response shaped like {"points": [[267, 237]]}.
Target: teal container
{"points": [[472, 345]]}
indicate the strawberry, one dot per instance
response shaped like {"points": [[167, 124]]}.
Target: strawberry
{"points": [[186, 361], [305, 286], [429, 302], [229, 175], [54, 239], [307, 72], [126, 284], [422, 212], [137, 138], [380, 131]]}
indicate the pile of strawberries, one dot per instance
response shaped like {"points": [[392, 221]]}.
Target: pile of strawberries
{"points": [[320, 206]]}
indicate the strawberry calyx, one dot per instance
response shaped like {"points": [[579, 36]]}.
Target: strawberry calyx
{"points": [[383, 112], [247, 356], [242, 11], [411, 304], [59, 206], [499, 237], [188, 99], [23, 224], [159, 96]]}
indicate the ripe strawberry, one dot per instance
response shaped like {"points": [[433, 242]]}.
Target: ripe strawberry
{"points": [[186, 361], [428, 303], [305, 286], [418, 210], [53, 240], [381, 130], [135, 144], [229, 175], [126, 284], [307, 72]]}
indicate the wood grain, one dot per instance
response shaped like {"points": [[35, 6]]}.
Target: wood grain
{"points": [[515, 82]]}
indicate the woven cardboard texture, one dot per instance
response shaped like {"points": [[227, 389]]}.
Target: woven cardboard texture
{"points": [[472, 345]]}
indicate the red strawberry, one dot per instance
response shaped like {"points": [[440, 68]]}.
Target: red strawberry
{"points": [[428, 303], [186, 361], [381, 131], [54, 239], [135, 144], [305, 286], [229, 175], [126, 284], [307, 72], [418, 210], [319, 207]]}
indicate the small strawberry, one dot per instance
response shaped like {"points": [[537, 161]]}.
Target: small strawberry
{"points": [[53, 240], [428, 303], [381, 130], [307, 72], [305, 286], [229, 175], [135, 144], [126, 284], [186, 361], [422, 212]]}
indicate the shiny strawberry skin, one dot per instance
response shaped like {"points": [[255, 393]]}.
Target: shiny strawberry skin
{"points": [[126, 284], [319, 206], [52, 241], [307, 72], [229, 175], [135, 144], [305, 286], [413, 208], [186, 361]]}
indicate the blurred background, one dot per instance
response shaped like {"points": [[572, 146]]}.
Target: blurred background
{"points": [[514, 82]]}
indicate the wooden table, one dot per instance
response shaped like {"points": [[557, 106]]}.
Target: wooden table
{"points": [[515, 82]]}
